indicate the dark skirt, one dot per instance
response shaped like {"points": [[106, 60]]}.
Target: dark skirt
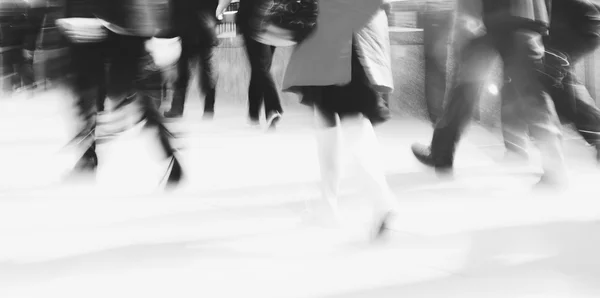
{"points": [[355, 98]]}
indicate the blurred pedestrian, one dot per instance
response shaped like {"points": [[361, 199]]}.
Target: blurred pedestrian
{"points": [[340, 70], [514, 30]]}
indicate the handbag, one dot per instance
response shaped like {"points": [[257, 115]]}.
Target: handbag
{"points": [[288, 22]]}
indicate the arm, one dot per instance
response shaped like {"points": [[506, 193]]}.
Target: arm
{"points": [[223, 4]]}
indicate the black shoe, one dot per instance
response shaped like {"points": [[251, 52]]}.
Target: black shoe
{"points": [[85, 167], [88, 163], [424, 155], [173, 114], [175, 172], [208, 115]]}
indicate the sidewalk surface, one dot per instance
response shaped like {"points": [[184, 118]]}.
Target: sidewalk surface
{"points": [[244, 223]]}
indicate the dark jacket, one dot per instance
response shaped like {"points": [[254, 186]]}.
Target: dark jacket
{"points": [[195, 22], [13, 22], [247, 19], [515, 14]]}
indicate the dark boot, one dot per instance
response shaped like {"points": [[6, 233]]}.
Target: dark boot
{"points": [[424, 154], [85, 168]]}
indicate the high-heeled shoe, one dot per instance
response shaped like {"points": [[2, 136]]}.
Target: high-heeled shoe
{"points": [[382, 226], [86, 167], [175, 174]]}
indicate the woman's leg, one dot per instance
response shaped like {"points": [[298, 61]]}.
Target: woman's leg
{"points": [[262, 86], [359, 137], [329, 151]]}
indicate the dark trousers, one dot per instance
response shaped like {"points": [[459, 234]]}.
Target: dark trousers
{"points": [[522, 53], [262, 86], [190, 54], [132, 85]]}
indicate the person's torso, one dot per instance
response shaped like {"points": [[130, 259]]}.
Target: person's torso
{"points": [[132, 17], [499, 14]]}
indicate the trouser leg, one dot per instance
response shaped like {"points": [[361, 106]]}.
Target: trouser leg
{"points": [[181, 82], [522, 52], [86, 71], [462, 98], [207, 79], [262, 86]]}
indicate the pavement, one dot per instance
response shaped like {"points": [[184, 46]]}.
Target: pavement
{"points": [[247, 221]]}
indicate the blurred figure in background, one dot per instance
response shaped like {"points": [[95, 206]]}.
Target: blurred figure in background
{"points": [[136, 38], [196, 24], [513, 29], [14, 60], [340, 70], [45, 44], [262, 87], [574, 34]]}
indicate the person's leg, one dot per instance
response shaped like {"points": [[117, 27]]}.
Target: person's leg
{"points": [[522, 52], [180, 85], [359, 137], [462, 99], [585, 115], [572, 99], [514, 128], [262, 87], [329, 152], [86, 69], [255, 90], [134, 86], [207, 81], [273, 109]]}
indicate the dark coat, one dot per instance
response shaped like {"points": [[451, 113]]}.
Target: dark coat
{"points": [[248, 16], [195, 22], [514, 14], [324, 58]]}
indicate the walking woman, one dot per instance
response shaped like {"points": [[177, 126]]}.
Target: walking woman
{"points": [[340, 70]]}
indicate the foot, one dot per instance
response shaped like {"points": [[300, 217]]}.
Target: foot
{"points": [[254, 123], [85, 167], [208, 115], [424, 155], [173, 114], [382, 225], [552, 182], [273, 120]]}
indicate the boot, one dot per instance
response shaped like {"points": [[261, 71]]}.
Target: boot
{"points": [[424, 154]]}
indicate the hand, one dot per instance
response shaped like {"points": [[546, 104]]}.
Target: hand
{"points": [[223, 4], [471, 25], [164, 51], [28, 55]]}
